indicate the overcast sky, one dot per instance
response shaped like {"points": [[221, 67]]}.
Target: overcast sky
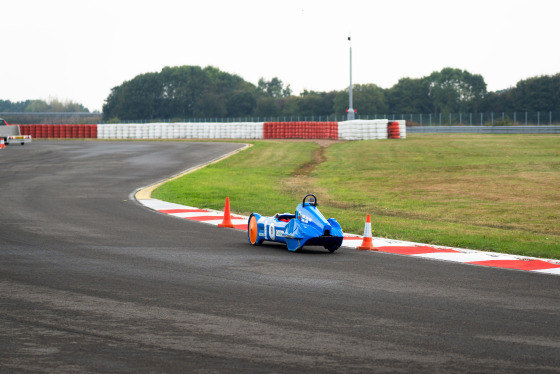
{"points": [[79, 49]]}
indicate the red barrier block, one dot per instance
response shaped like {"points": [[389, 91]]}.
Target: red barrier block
{"points": [[334, 131], [75, 131], [267, 130], [24, 130], [393, 130]]}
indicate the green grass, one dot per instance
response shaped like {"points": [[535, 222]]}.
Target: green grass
{"points": [[489, 192], [250, 179]]}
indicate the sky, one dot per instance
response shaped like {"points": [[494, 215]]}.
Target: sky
{"points": [[78, 50]]}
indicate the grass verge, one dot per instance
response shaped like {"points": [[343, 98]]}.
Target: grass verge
{"points": [[489, 192]]}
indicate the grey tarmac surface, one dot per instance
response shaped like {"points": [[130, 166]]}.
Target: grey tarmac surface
{"points": [[90, 281]]}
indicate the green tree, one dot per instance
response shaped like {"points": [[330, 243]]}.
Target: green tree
{"points": [[311, 103], [210, 104], [497, 101], [181, 92], [536, 94], [454, 90], [367, 99], [182, 88], [409, 96], [8, 106], [139, 98], [37, 106], [241, 102], [289, 106], [273, 88], [267, 107]]}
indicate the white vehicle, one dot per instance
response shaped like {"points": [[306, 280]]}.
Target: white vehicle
{"points": [[12, 134]]}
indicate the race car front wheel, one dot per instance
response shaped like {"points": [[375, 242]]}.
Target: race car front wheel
{"points": [[253, 231]]}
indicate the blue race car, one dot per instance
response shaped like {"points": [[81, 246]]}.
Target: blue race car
{"points": [[306, 227]]}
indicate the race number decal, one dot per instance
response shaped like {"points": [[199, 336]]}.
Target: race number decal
{"points": [[271, 232]]}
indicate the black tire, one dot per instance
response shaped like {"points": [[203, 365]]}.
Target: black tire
{"points": [[332, 248]]}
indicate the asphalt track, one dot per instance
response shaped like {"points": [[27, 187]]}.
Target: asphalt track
{"points": [[90, 281]]}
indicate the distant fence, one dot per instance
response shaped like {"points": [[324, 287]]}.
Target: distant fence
{"points": [[554, 129], [50, 118], [548, 118], [520, 118]]}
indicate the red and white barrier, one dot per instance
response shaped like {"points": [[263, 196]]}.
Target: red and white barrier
{"points": [[347, 130]]}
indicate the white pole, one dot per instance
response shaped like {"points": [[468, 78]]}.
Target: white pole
{"points": [[350, 109]]}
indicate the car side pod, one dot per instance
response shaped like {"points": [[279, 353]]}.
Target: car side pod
{"points": [[294, 235], [367, 243]]}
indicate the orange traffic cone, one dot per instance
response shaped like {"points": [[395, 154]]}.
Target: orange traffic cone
{"points": [[2, 145], [227, 216], [367, 243]]}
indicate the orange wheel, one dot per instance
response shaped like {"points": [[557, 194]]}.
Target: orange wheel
{"points": [[253, 231]]}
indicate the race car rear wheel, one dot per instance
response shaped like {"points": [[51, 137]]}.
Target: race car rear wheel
{"points": [[253, 231], [332, 248]]}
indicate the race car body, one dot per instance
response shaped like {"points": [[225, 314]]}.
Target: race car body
{"points": [[306, 227]]}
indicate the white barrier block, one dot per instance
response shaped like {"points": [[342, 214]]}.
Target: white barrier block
{"points": [[100, 131], [402, 128], [363, 129]]}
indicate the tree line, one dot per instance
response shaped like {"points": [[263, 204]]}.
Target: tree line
{"points": [[35, 106], [193, 92], [41, 111], [184, 92]]}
